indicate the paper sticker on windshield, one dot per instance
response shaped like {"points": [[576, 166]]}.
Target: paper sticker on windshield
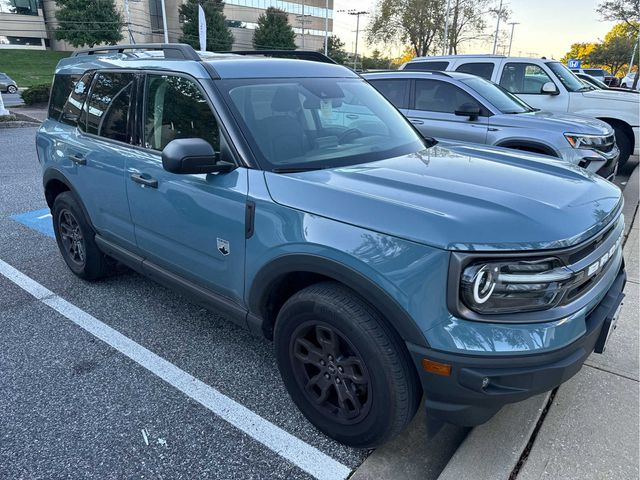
{"points": [[326, 108]]}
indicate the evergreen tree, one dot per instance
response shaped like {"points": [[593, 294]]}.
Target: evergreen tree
{"points": [[219, 36], [274, 31], [335, 50], [88, 22]]}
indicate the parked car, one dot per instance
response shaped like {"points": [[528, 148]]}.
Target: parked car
{"points": [[627, 81], [462, 107], [382, 265], [597, 84], [599, 74], [7, 85], [550, 86]]}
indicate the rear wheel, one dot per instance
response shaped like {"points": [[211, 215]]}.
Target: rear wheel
{"points": [[75, 239], [344, 368]]}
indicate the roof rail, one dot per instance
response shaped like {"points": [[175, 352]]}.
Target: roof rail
{"points": [[174, 51], [299, 54]]}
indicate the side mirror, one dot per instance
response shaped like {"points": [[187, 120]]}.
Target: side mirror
{"points": [[193, 155], [468, 110], [549, 88]]}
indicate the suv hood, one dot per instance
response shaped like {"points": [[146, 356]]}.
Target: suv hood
{"points": [[611, 95], [459, 198], [558, 122]]}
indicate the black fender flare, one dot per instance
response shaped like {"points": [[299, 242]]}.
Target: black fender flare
{"points": [[55, 174], [393, 313]]}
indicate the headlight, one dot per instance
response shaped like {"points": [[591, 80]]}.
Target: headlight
{"points": [[514, 286], [592, 142]]}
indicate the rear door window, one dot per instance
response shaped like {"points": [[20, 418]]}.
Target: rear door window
{"points": [[481, 69], [426, 66], [524, 78], [396, 91], [107, 111]]}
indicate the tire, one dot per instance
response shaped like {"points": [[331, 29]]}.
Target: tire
{"points": [[75, 239], [624, 144], [332, 341], [12, 89]]}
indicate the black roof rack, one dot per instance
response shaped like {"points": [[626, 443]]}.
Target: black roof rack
{"points": [[174, 51], [298, 54]]}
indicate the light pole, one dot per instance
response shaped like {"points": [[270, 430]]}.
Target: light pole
{"points": [[164, 22], [446, 29], [495, 39], [326, 27], [513, 24], [357, 13]]}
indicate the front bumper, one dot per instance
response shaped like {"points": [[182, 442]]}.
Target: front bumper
{"points": [[461, 399]]}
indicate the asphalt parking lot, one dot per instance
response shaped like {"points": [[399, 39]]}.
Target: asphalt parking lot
{"points": [[73, 401]]}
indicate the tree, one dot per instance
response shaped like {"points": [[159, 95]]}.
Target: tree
{"points": [[418, 22], [627, 11], [274, 31], [580, 51], [335, 50], [219, 36], [88, 22], [468, 22], [616, 49], [375, 61]]}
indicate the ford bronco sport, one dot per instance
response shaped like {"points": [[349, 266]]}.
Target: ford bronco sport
{"points": [[383, 266]]}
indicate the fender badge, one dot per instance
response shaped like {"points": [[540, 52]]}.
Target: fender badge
{"points": [[223, 246]]}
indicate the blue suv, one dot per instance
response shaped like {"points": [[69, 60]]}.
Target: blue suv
{"points": [[382, 265]]}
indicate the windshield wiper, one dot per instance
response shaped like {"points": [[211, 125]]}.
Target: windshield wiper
{"points": [[295, 169]]}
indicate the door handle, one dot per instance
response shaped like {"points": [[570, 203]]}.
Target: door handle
{"points": [[147, 182], [352, 116], [78, 159], [415, 121]]}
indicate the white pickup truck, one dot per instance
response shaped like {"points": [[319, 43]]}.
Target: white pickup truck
{"points": [[549, 85]]}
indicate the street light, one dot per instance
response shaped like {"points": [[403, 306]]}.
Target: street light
{"points": [[513, 24], [495, 39], [357, 13]]}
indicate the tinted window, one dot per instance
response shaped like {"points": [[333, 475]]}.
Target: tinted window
{"points": [[72, 109], [526, 78], [426, 66], [497, 96], [443, 97], [484, 70], [108, 107], [394, 90], [351, 122], [62, 87], [176, 108]]}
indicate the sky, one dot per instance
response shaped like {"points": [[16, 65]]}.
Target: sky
{"points": [[547, 27]]}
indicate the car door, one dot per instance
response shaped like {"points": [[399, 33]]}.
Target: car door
{"points": [[432, 110], [191, 224], [526, 79], [98, 150]]}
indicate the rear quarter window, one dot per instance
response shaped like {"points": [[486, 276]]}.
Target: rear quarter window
{"points": [[62, 87], [427, 66], [480, 69]]}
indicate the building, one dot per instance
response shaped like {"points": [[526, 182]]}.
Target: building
{"points": [[31, 23]]}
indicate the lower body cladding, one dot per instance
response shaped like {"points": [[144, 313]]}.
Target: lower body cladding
{"points": [[468, 390]]}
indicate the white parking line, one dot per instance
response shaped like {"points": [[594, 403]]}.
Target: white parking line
{"points": [[301, 454]]}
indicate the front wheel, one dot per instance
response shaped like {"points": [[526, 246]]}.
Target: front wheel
{"points": [[344, 368], [12, 89], [624, 145]]}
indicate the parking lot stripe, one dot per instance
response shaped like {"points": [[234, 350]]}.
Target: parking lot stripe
{"points": [[296, 451]]}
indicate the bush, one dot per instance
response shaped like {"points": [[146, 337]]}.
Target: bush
{"points": [[36, 94]]}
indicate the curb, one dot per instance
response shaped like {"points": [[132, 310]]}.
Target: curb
{"points": [[19, 124], [631, 194], [493, 450]]}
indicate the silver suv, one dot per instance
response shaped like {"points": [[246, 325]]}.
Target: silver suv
{"points": [[7, 85], [453, 106]]}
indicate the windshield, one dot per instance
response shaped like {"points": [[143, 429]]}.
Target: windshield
{"points": [[566, 76], [497, 96], [307, 123]]}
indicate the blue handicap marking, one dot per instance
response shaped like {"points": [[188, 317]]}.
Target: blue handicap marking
{"points": [[38, 220]]}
